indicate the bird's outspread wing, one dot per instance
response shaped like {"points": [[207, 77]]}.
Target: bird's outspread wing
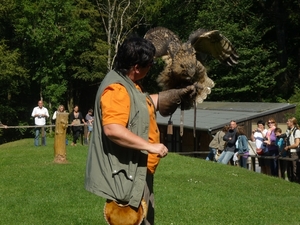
{"points": [[214, 44]]}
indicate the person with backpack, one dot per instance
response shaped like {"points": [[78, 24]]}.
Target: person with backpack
{"points": [[242, 146], [292, 148]]}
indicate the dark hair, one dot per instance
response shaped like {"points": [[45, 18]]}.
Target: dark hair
{"points": [[134, 51], [225, 128], [277, 129], [261, 122], [91, 111]]}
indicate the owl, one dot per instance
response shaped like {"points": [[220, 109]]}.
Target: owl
{"points": [[183, 61]]}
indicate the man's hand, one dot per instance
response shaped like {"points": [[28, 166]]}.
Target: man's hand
{"points": [[159, 149]]}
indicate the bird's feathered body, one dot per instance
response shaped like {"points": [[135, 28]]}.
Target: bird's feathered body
{"points": [[183, 60]]}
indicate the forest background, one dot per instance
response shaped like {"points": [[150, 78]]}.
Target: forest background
{"points": [[59, 51]]}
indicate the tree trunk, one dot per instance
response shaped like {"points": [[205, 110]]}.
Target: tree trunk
{"points": [[60, 137]]}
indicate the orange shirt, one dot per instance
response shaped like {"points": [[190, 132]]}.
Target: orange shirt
{"points": [[115, 103]]}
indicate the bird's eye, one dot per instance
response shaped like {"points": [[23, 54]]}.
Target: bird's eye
{"points": [[182, 66]]}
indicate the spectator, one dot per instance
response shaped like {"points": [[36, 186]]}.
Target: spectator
{"points": [[76, 119], [40, 114], [230, 138], [242, 146], [216, 146], [292, 148], [125, 147], [89, 121], [272, 148], [259, 135], [281, 144], [61, 109]]}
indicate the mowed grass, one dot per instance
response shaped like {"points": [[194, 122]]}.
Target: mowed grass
{"points": [[188, 191]]}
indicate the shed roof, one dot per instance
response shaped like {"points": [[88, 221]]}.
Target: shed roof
{"points": [[215, 115]]}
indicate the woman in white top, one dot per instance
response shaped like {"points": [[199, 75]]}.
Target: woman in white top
{"points": [[60, 109], [258, 136], [292, 148]]}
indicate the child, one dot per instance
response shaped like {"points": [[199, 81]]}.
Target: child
{"points": [[281, 144], [89, 119]]}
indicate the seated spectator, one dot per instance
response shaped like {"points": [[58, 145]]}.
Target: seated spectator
{"points": [[216, 146], [230, 138]]}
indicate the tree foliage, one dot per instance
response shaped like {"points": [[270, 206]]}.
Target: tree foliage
{"points": [[13, 78], [58, 39], [119, 19]]}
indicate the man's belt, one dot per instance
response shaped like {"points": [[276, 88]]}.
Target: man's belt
{"points": [[120, 214]]}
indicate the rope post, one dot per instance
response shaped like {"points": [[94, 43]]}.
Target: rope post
{"points": [[60, 154], [85, 131], [43, 136]]}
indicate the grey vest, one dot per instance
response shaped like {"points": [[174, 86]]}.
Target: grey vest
{"points": [[115, 172]]}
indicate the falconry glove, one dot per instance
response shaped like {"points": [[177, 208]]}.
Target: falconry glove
{"points": [[169, 100]]}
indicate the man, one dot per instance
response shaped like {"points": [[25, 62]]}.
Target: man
{"points": [[292, 148], [230, 138], [40, 114], [124, 149]]}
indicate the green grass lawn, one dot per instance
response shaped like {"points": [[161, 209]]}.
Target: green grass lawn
{"points": [[188, 191]]}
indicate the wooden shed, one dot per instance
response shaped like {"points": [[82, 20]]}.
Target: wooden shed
{"points": [[213, 116]]}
